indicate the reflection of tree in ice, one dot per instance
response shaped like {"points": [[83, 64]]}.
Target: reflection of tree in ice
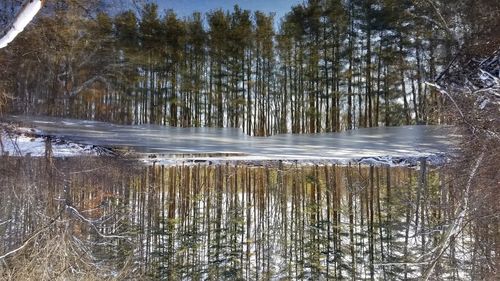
{"points": [[244, 222]]}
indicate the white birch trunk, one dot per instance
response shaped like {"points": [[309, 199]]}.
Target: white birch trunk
{"points": [[23, 18]]}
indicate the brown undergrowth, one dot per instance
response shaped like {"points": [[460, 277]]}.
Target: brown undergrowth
{"points": [[471, 88]]}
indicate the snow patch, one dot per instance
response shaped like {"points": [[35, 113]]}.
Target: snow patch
{"points": [[24, 143]]}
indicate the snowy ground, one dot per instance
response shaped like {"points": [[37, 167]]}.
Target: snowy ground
{"points": [[28, 142], [166, 145]]}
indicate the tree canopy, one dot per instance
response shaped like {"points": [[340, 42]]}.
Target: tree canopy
{"points": [[331, 65]]}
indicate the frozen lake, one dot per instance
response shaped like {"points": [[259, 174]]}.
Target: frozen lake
{"points": [[215, 143]]}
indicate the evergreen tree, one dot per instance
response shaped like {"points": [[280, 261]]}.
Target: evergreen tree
{"points": [[333, 65]]}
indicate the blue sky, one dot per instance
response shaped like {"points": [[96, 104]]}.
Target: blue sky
{"points": [[187, 7]]}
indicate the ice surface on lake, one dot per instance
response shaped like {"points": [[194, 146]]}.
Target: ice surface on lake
{"points": [[227, 143]]}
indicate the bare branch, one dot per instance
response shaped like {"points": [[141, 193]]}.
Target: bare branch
{"points": [[89, 83], [443, 91], [92, 224], [438, 12]]}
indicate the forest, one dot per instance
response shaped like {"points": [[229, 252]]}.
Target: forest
{"points": [[103, 177], [327, 66]]}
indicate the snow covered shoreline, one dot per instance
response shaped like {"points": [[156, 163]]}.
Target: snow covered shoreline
{"points": [[22, 142]]}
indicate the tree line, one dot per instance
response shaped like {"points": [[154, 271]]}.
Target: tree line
{"points": [[327, 66]]}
